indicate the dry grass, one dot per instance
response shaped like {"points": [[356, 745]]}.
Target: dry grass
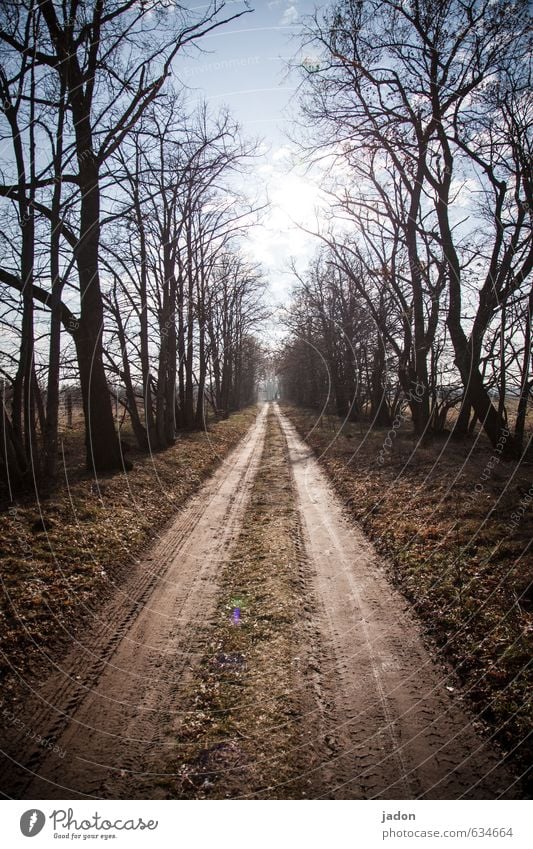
{"points": [[63, 556], [455, 522]]}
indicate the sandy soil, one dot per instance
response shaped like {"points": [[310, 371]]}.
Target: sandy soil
{"points": [[376, 717]]}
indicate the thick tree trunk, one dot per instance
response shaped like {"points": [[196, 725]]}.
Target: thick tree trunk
{"points": [[199, 415], [460, 428], [493, 424], [102, 443], [419, 390], [477, 394], [465, 359], [13, 471], [143, 322]]}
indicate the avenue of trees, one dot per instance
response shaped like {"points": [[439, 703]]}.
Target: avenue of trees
{"points": [[121, 270], [121, 229], [419, 114]]}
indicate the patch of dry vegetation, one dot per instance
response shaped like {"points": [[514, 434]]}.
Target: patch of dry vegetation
{"points": [[455, 523], [240, 735], [64, 555]]}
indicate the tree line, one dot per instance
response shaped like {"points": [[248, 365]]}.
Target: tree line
{"points": [[121, 231], [419, 115]]}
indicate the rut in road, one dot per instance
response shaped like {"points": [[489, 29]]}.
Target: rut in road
{"points": [[393, 729], [103, 706], [368, 714]]}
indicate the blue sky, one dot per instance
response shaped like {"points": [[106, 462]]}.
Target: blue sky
{"points": [[244, 64], [245, 67]]}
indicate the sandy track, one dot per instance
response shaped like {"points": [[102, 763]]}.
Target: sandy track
{"points": [[374, 717], [103, 707], [389, 727]]}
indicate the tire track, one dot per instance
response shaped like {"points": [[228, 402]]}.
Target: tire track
{"points": [[102, 706], [392, 729]]}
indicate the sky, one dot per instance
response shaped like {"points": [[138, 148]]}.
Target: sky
{"points": [[244, 66]]}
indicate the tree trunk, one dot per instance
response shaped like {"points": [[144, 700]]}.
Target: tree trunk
{"points": [[525, 382], [199, 416], [137, 426], [460, 428], [181, 354], [102, 443], [52, 391], [378, 406], [143, 319], [13, 469], [171, 355], [101, 440], [465, 359]]}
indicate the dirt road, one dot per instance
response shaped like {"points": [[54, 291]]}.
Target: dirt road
{"points": [[102, 708], [395, 729], [369, 713]]}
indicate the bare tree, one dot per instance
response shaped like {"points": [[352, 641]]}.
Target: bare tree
{"points": [[178, 215], [112, 59], [436, 92]]}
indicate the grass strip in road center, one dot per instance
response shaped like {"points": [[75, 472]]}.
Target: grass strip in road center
{"points": [[240, 735]]}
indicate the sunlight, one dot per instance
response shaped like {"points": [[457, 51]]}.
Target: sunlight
{"points": [[296, 205]]}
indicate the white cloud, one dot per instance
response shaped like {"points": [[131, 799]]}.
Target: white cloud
{"points": [[463, 193], [296, 203], [290, 16], [284, 153]]}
